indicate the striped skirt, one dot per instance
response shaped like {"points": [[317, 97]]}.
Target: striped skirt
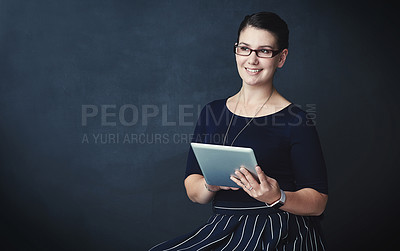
{"points": [[250, 228]]}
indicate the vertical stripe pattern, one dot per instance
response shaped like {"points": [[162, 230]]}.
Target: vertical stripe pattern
{"points": [[275, 231]]}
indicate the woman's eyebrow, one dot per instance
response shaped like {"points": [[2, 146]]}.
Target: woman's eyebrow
{"points": [[258, 46]]}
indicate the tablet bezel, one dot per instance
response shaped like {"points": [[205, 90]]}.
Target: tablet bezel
{"points": [[218, 162]]}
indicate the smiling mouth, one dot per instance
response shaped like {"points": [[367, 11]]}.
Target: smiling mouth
{"points": [[253, 70]]}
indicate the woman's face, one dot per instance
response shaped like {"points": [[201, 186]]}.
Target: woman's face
{"points": [[255, 70]]}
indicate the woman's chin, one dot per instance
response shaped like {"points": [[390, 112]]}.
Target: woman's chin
{"points": [[254, 83]]}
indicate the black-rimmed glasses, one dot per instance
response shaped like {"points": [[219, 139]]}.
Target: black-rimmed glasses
{"points": [[262, 53]]}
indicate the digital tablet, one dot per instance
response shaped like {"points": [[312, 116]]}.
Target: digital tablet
{"points": [[219, 162]]}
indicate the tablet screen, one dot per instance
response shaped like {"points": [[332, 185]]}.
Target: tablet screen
{"points": [[219, 162]]}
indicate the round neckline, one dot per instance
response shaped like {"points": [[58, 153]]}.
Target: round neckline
{"points": [[284, 108]]}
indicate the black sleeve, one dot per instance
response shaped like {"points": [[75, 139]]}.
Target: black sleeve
{"points": [[306, 155], [192, 166]]}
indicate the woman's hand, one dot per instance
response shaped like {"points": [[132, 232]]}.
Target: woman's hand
{"points": [[267, 190], [212, 188], [199, 191], [306, 201]]}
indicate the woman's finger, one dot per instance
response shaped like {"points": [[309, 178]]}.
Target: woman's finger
{"points": [[243, 176], [234, 188], [237, 181], [249, 176], [247, 189], [229, 188], [240, 175], [261, 175]]}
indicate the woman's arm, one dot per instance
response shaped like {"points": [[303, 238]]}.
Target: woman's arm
{"points": [[196, 190], [199, 191], [306, 201]]}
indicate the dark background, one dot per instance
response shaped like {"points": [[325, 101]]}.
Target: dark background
{"points": [[60, 192]]}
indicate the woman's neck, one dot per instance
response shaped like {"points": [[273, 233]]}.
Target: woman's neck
{"points": [[252, 95]]}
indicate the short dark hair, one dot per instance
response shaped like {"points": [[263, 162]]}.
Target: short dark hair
{"points": [[268, 21]]}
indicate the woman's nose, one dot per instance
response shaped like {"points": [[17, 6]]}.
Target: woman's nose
{"points": [[252, 58]]}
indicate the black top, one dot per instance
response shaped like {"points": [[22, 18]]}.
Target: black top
{"points": [[286, 146]]}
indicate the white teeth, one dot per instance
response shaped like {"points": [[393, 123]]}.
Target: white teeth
{"points": [[254, 71]]}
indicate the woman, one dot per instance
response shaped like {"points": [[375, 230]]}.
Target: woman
{"points": [[282, 210]]}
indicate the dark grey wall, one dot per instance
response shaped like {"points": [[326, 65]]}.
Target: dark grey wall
{"points": [[149, 65]]}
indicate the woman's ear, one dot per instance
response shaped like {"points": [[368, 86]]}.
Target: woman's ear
{"points": [[282, 58]]}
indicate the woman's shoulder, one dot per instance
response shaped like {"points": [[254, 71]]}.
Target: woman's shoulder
{"points": [[213, 108], [217, 103], [297, 116], [295, 110]]}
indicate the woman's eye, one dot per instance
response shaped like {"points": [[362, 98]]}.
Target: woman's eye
{"points": [[265, 51], [242, 48]]}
